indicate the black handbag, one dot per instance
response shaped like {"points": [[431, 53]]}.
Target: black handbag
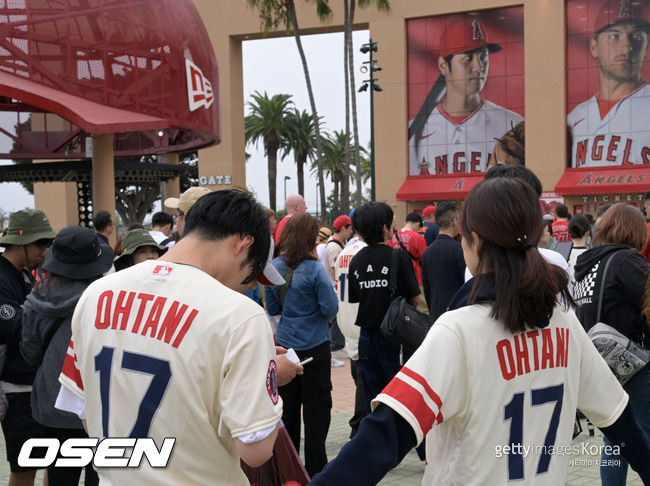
{"points": [[403, 324]]}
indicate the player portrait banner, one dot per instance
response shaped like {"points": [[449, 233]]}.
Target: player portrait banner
{"points": [[608, 98], [465, 88]]}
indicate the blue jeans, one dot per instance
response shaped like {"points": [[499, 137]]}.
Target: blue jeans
{"points": [[379, 360], [638, 388]]}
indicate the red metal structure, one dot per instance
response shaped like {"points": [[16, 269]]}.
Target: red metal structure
{"points": [[142, 69]]}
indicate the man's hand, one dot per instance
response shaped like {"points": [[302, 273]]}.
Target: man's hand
{"points": [[287, 370]]}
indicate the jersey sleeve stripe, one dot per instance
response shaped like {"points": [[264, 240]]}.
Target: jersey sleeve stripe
{"points": [[411, 396], [423, 383], [70, 369]]}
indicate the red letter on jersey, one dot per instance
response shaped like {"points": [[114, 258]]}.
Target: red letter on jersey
{"points": [[459, 164], [533, 337], [562, 344], [507, 362], [596, 148], [185, 328], [441, 164], [122, 310], [103, 317], [581, 153], [144, 298], [547, 349], [151, 324], [521, 355], [172, 319], [613, 145]]}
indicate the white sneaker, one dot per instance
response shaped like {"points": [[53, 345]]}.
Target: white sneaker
{"points": [[336, 363]]}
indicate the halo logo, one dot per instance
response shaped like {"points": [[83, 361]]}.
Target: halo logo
{"points": [[109, 452]]}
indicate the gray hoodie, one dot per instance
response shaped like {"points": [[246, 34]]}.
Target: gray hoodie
{"points": [[46, 333]]}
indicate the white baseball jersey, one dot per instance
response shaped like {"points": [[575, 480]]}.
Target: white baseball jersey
{"points": [[449, 147], [497, 407], [621, 138], [164, 350], [347, 314]]}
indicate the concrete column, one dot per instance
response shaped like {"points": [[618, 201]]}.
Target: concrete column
{"points": [[103, 176], [171, 188]]}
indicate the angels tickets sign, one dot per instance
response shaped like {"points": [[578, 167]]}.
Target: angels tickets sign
{"points": [[199, 89]]}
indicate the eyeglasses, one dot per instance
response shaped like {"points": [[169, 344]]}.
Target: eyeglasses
{"points": [[42, 245]]}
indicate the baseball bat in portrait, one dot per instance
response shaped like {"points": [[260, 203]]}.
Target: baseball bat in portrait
{"points": [[436, 93]]}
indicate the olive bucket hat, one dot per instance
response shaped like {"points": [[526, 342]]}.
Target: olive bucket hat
{"points": [[78, 254], [27, 226], [137, 238]]}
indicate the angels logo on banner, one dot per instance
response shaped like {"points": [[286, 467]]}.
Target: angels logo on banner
{"points": [[199, 89], [465, 90]]}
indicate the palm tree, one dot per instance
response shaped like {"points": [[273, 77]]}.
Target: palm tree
{"points": [[348, 23], [301, 139], [274, 12], [267, 122]]}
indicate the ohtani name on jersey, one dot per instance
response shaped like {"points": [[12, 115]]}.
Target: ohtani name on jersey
{"points": [[130, 311], [608, 148], [533, 351]]}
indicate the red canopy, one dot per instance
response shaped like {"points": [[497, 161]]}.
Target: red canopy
{"points": [[598, 180], [428, 188]]}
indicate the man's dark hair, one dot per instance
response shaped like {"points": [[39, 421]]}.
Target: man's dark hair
{"points": [[562, 211], [516, 172], [579, 226], [647, 196], [102, 220], [161, 218], [414, 218], [445, 214], [370, 220], [220, 214], [602, 210]]}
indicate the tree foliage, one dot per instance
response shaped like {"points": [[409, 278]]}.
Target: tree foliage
{"points": [[267, 123]]}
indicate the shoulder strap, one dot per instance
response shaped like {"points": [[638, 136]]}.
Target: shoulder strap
{"points": [[403, 247], [165, 241], [333, 240], [602, 287], [392, 284], [285, 288]]}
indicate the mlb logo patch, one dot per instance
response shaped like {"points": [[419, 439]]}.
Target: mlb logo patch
{"points": [[162, 270]]}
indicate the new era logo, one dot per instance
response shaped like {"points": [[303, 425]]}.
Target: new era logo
{"points": [[163, 270], [199, 89]]}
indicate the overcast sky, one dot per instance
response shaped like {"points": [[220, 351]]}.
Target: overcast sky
{"points": [[271, 65]]}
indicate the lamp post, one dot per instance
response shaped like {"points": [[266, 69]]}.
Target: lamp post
{"points": [[286, 178], [371, 67]]}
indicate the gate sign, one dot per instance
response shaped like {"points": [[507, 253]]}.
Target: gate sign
{"points": [[199, 89]]}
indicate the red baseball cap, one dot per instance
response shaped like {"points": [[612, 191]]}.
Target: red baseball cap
{"points": [[618, 11], [341, 221], [465, 35], [428, 211]]}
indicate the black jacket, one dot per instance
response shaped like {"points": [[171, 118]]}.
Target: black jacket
{"points": [[624, 290], [13, 292]]}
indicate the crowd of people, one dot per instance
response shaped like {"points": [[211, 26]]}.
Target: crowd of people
{"points": [[217, 325]]}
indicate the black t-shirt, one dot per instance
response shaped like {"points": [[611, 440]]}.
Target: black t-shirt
{"points": [[369, 278]]}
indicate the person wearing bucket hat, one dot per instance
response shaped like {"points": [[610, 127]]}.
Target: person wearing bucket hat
{"points": [[76, 258], [458, 133], [184, 319], [183, 204], [137, 246], [611, 127], [28, 236]]}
